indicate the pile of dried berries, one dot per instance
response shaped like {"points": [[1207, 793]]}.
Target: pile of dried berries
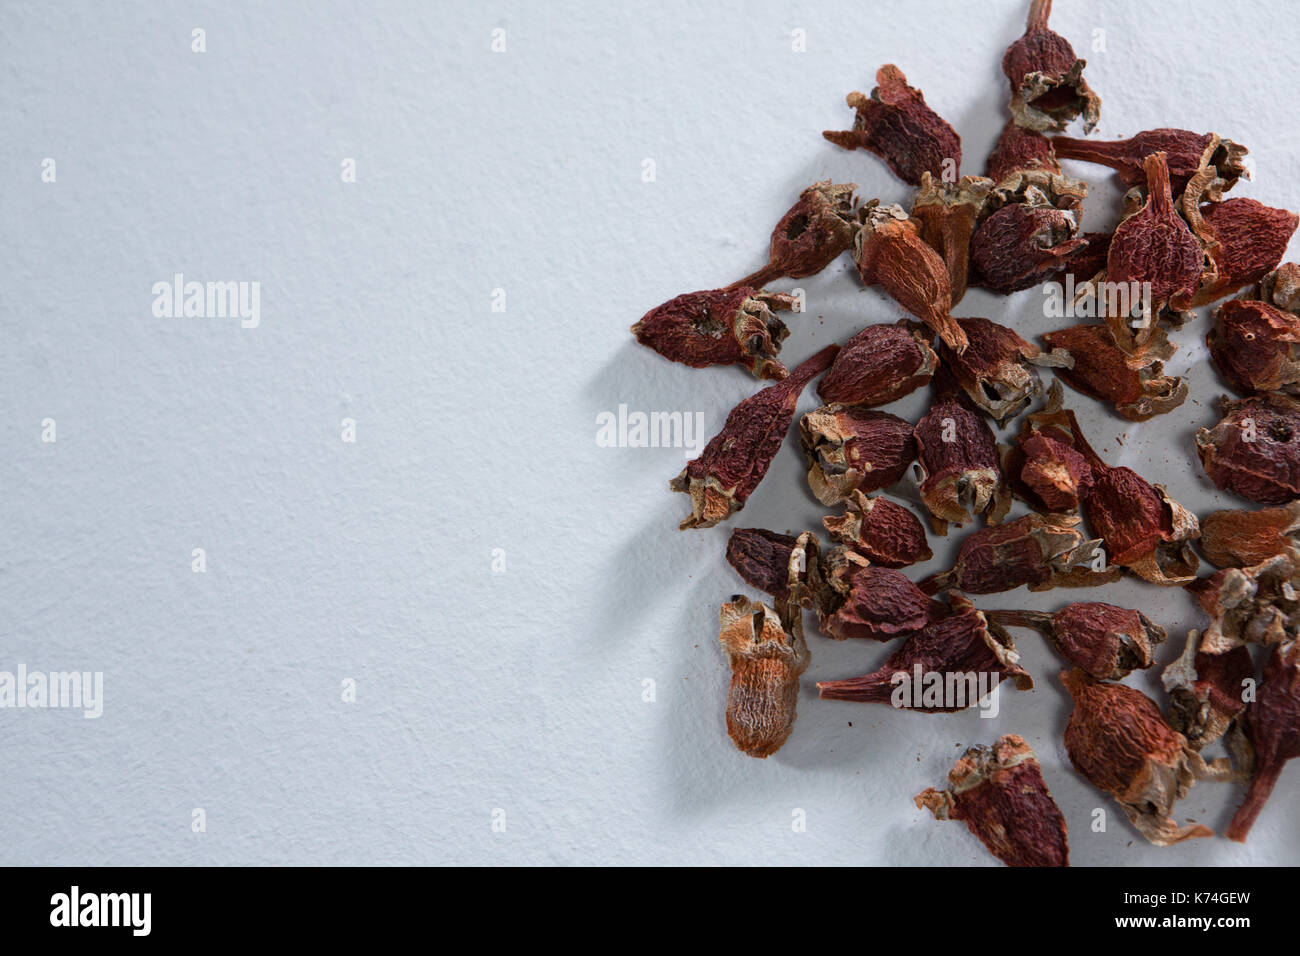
{"points": [[1178, 246]]}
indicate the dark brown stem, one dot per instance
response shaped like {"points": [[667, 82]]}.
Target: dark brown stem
{"points": [[1039, 11], [1260, 788], [1113, 154], [1158, 189], [757, 280], [1034, 620]]}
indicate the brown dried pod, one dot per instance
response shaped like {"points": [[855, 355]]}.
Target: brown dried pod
{"points": [[851, 448], [1244, 241], [1273, 727], [1000, 793], [1118, 739], [736, 326], [880, 364], [957, 464], [1132, 379], [1235, 538], [1047, 473], [947, 214], [1254, 450], [1019, 149], [767, 654], [946, 659], [1108, 642], [871, 603], [997, 369], [735, 460], [1041, 551], [890, 252], [1254, 605], [1207, 697], [1187, 153], [886, 533], [1047, 85], [897, 125], [810, 236], [1256, 347], [1281, 287]]}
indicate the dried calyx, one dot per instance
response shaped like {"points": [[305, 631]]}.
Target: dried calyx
{"points": [[851, 448], [1000, 794], [866, 602], [1031, 231], [880, 364], [1106, 641], [810, 236], [1047, 85], [1273, 728], [997, 370], [1131, 379], [1253, 605], [1187, 154], [1281, 287], [1020, 150], [767, 654], [736, 326], [887, 534], [1254, 450], [782, 565]]}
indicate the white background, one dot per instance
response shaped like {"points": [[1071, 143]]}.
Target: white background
{"points": [[476, 430]]}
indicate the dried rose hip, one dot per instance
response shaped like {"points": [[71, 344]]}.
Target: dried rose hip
{"points": [[767, 654], [886, 533], [811, 235], [1118, 739], [1255, 605], [880, 364], [1041, 551], [890, 252], [1273, 726], [1019, 150], [851, 448], [1244, 241], [1047, 85], [896, 124], [957, 461], [762, 558], [1133, 380], [1187, 154], [736, 459], [1256, 347], [1047, 473], [947, 214], [959, 647], [999, 792], [877, 604], [1239, 539], [1021, 246], [997, 369], [1108, 642], [1206, 696], [735, 326], [1254, 451]]}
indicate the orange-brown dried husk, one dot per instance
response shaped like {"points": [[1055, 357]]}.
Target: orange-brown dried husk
{"points": [[1118, 739], [1240, 538], [890, 252], [1254, 605], [1132, 380], [947, 214], [767, 654], [1206, 699], [1000, 794]]}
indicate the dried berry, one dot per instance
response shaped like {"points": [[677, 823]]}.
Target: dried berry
{"points": [[1133, 379], [1018, 150], [736, 459], [957, 464], [1000, 793], [1118, 739], [1239, 539], [886, 533], [947, 214], [1207, 696], [1021, 246], [1273, 726], [1047, 85], [1254, 605], [1187, 153], [762, 558], [871, 603], [1041, 551], [958, 647], [997, 369], [890, 252], [880, 364], [1047, 473], [811, 235], [1256, 347], [1244, 241], [736, 326], [767, 654], [896, 124], [851, 448], [1254, 451], [1108, 642]]}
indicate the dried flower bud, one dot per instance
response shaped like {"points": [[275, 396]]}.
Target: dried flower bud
{"points": [[1047, 85], [871, 603], [1281, 287], [896, 124], [767, 654], [947, 214], [811, 235], [957, 463], [1256, 347], [1254, 605], [1244, 241], [1041, 551], [1108, 642], [1239, 539], [736, 459], [1118, 739], [1273, 726], [888, 534], [1254, 451], [1019, 149], [996, 370], [880, 364], [958, 647], [851, 448], [999, 791], [890, 252], [735, 326], [1047, 473], [1206, 696], [1133, 380], [1187, 154]]}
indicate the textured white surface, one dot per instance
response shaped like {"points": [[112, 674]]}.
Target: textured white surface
{"points": [[477, 170]]}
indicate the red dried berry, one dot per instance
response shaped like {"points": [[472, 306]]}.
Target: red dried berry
{"points": [[1187, 153], [1047, 85], [1244, 241], [1254, 451], [947, 214], [809, 237], [1273, 726], [1108, 642], [886, 533], [1256, 347], [1132, 379], [767, 654], [957, 460], [1239, 539], [851, 448], [1019, 149], [872, 603], [880, 364], [1206, 696], [1047, 473], [735, 326], [997, 369]]}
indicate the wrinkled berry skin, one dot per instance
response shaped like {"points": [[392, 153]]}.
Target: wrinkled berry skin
{"points": [[1047, 85], [1254, 451], [849, 448], [880, 364], [1256, 347], [735, 326]]}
